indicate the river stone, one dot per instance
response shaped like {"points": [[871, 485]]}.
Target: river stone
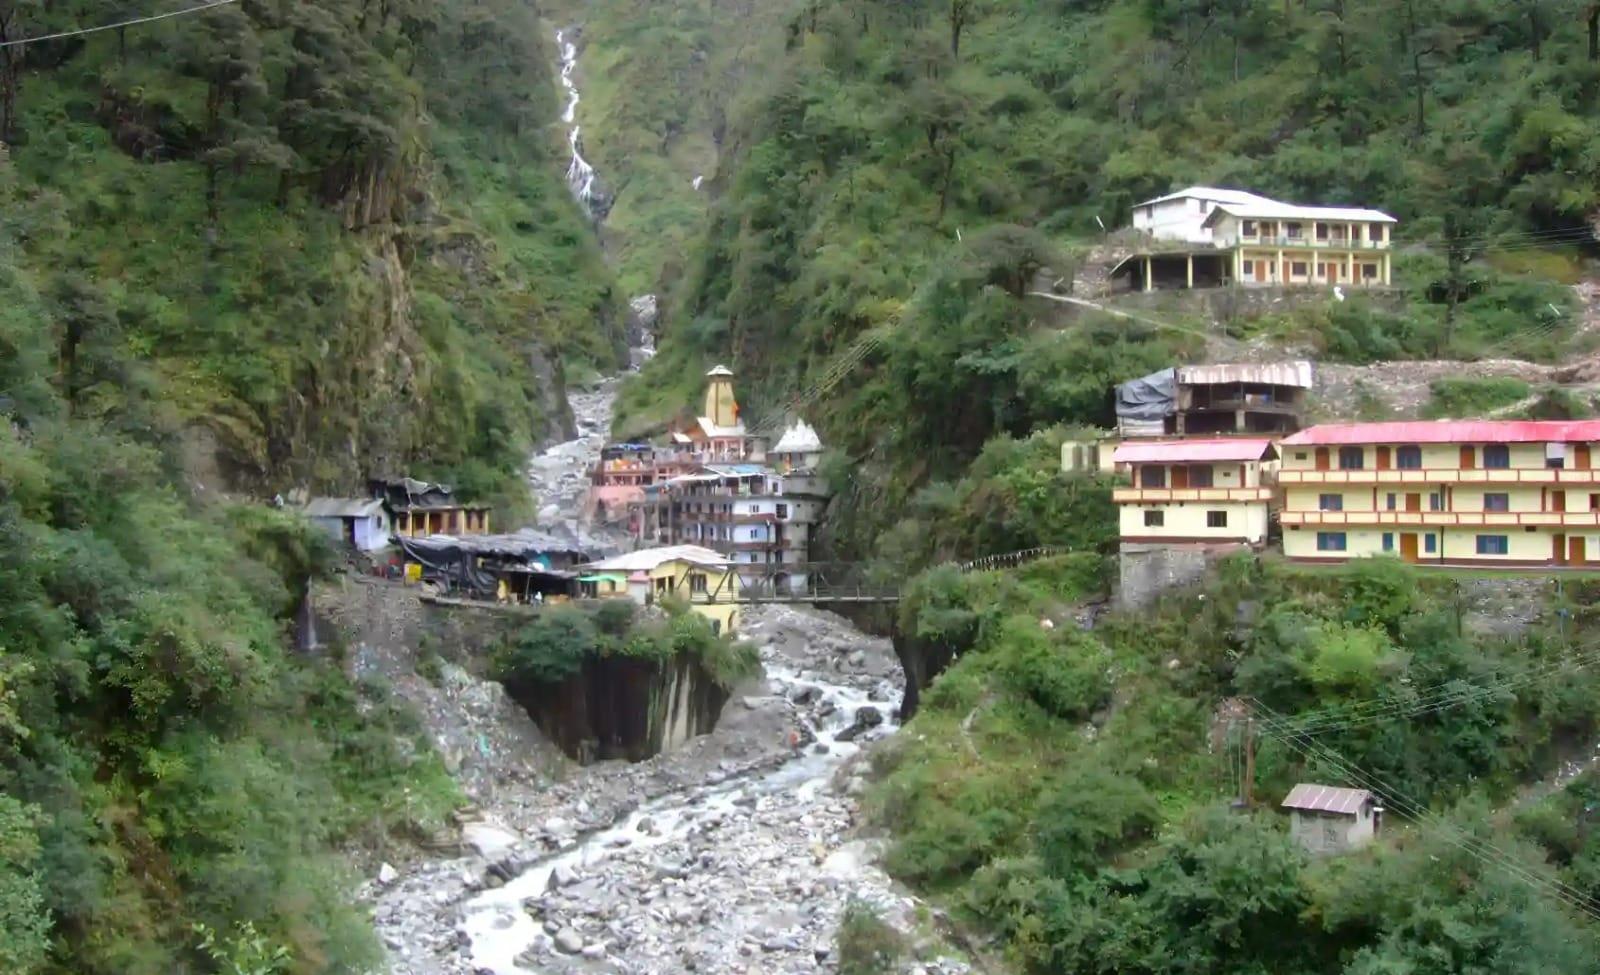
{"points": [[569, 941], [387, 875], [869, 717], [562, 875]]}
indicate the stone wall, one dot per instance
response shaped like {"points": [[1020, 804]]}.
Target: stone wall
{"points": [[1148, 571]]}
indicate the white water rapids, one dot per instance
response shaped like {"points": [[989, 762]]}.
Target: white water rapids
{"points": [[580, 175]]}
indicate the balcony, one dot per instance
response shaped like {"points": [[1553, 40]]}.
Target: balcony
{"points": [[1445, 519], [1443, 475], [1170, 495], [1328, 243]]}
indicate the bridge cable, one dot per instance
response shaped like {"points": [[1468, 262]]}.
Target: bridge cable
{"points": [[126, 23]]}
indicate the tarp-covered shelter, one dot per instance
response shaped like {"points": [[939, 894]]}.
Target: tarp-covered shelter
{"points": [[423, 508], [1144, 404], [359, 522], [530, 561]]}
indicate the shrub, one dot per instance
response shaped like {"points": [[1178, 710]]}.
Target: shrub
{"points": [[1093, 814], [1471, 397], [549, 649], [867, 946], [1063, 675]]}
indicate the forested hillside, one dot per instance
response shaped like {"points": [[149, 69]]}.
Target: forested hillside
{"points": [[261, 247], [660, 83], [912, 166], [354, 253]]}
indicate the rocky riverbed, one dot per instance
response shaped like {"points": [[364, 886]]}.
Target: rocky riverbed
{"points": [[736, 853]]}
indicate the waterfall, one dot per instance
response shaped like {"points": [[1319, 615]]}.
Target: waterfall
{"points": [[580, 175]]}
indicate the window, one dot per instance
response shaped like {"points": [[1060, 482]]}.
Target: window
{"points": [[1155, 519], [1299, 455], [1389, 501], [716, 627], [1249, 268], [1297, 268], [1351, 458], [1369, 271], [1375, 233], [1200, 477], [1493, 545], [1330, 541], [783, 511], [1388, 541], [1330, 502], [1249, 231], [1408, 458], [697, 582], [1293, 229], [1555, 455], [1435, 501], [1496, 456], [1216, 519], [1497, 502], [1153, 476], [1428, 544], [1322, 231]]}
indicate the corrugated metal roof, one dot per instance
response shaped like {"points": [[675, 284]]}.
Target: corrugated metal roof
{"points": [[342, 507], [1449, 431], [1182, 451], [1274, 210], [647, 559], [1209, 193], [1326, 798], [720, 371], [1296, 373]]}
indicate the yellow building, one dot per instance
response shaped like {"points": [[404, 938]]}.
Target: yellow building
{"points": [[704, 579], [1189, 492], [1282, 243], [1207, 237], [1473, 493]]}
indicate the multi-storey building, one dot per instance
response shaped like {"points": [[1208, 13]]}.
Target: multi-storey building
{"points": [[1194, 492], [1257, 397], [618, 480], [1506, 493], [761, 520], [1207, 237]]}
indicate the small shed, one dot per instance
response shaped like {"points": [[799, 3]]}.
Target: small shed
{"points": [[361, 523], [1327, 819]]}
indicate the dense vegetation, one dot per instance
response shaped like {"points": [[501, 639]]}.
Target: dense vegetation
{"points": [[913, 170], [1069, 790], [335, 229], [659, 82], [267, 246], [164, 761]]}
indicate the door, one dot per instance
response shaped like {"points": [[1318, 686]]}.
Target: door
{"points": [[1180, 477], [1413, 503], [1580, 457], [1558, 501], [1322, 458], [1467, 462], [1576, 546], [1383, 458], [1261, 270], [1408, 546], [1558, 549]]}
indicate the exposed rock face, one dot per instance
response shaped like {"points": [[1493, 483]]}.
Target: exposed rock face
{"points": [[620, 707]]}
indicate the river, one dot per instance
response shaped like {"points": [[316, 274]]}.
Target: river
{"points": [[737, 852]]}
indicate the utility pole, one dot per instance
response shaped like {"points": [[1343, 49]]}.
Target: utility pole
{"points": [[1249, 761]]}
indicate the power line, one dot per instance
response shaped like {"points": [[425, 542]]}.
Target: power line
{"points": [[1437, 698], [1408, 808], [126, 23]]}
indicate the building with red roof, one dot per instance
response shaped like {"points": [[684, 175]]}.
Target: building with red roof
{"points": [[1470, 492], [1194, 492]]}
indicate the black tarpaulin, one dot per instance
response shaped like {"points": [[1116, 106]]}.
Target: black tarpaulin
{"points": [[1152, 397]]}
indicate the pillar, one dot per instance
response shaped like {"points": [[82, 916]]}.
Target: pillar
{"points": [[1283, 270], [1385, 268], [1350, 267], [1189, 269], [1148, 276]]}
